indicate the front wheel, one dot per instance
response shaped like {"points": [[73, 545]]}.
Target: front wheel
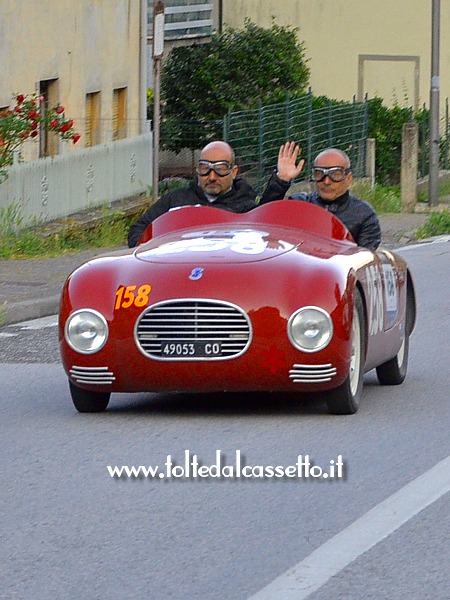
{"points": [[86, 401], [345, 399]]}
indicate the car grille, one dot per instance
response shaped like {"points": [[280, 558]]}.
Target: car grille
{"points": [[193, 329], [312, 373]]}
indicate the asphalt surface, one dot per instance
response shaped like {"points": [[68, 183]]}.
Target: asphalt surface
{"points": [[31, 288]]}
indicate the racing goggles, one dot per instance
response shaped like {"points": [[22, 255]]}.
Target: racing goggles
{"points": [[220, 167], [336, 174]]}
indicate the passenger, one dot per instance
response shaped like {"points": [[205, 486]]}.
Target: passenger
{"points": [[332, 176]]}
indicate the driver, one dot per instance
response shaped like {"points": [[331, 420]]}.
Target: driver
{"points": [[216, 184]]}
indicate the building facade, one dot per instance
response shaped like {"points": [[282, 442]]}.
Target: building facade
{"points": [[358, 47], [186, 22], [86, 55]]}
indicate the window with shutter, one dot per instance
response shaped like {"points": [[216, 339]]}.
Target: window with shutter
{"points": [[119, 113], [49, 94], [92, 127]]}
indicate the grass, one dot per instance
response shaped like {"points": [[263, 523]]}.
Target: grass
{"points": [[388, 200], [444, 190], [20, 239], [2, 314], [27, 239], [384, 199], [438, 223]]}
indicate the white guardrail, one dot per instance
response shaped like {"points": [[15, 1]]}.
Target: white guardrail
{"points": [[58, 186]]}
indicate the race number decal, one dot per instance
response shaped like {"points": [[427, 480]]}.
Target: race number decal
{"points": [[132, 296], [241, 242], [194, 245], [376, 308], [390, 289]]}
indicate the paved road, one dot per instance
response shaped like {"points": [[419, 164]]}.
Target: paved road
{"points": [[72, 531]]}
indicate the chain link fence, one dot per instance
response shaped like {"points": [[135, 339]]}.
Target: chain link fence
{"points": [[424, 140], [256, 135], [314, 122]]}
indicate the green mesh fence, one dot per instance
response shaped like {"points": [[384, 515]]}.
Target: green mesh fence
{"points": [[256, 135]]}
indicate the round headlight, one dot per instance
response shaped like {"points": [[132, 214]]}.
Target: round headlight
{"points": [[86, 331], [310, 329]]}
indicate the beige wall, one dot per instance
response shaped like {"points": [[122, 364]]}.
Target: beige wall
{"points": [[87, 45], [378, 47]]}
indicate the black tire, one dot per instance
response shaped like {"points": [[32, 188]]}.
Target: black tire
{"points": [[86, 401], [345, 399], [393, 371]]}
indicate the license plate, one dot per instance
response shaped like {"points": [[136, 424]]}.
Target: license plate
{"points": [[191, 349]]}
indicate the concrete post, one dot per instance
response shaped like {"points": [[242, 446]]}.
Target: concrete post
{"points": [[370, 161], [408, 173]]}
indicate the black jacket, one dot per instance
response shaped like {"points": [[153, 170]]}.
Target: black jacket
{"points": [[240, 199], [356, 214]]}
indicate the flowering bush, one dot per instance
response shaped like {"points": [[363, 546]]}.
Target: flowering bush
{"points": [[25, 120]]}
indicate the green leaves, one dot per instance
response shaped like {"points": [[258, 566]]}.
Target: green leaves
{"points": [[386, 126], [236, 70]]}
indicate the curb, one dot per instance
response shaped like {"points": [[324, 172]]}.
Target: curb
{"points": [[28, 309]]}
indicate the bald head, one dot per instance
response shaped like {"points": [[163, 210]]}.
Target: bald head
{"points": [[333, 155], [218, 150]]}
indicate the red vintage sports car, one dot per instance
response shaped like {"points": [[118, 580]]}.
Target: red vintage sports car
{"points": [[279, 299]]}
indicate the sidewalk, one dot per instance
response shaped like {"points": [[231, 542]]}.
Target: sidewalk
{"points": [[31, 288]]}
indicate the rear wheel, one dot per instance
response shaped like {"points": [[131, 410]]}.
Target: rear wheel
{"points": [[86, 401], [393, 371], [345, 399]]}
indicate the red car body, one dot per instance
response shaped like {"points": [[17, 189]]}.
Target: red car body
{"points": [[207, 304]]}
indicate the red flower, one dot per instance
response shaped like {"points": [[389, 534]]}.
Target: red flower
{"points": [[59, 110], [34, 133], [75, 138], [54, 124], [33, 114], [17, 109], [20, 98], [34, 125], [24, 134], [64, 127]]}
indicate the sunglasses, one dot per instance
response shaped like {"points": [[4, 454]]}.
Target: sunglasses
{"points": [[220, 167], [336, 174]]}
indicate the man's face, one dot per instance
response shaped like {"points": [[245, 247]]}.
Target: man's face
{"points": [[213, 183], [328, 189]]}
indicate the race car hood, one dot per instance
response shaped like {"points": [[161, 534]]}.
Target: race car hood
{"points": [[218, 244]]}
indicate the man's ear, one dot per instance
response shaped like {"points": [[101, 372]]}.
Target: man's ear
{"points": [[235, 171]]}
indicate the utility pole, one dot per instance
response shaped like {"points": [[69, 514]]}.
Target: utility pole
{"points": [[433, 173], [143, 69], [158, 50]]}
